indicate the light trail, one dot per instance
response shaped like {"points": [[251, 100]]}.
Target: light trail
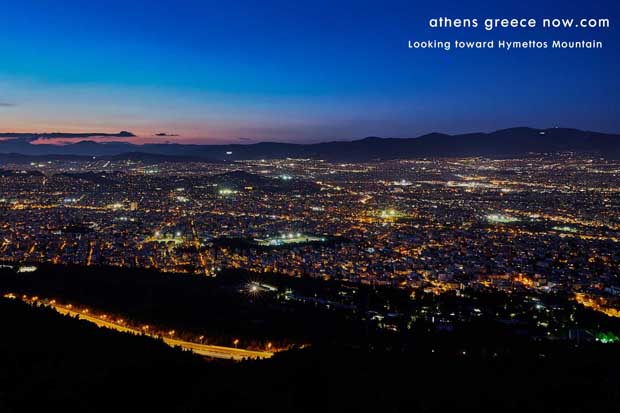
{"points": [[221, 352]]}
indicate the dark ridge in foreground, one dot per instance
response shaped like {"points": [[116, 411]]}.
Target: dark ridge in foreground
{"points": [[55, 363], [507, 142]]}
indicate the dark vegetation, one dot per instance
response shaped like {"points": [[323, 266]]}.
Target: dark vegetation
{"points": [[293, 311], [54, 363], [244, 244], [219, 308], [240, 179]]}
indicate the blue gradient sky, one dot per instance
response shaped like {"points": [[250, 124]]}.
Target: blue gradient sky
{"points": [[214, 71]]}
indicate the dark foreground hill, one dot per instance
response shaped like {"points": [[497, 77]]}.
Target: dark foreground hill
{"points": [[507, 142], [54, 363]]}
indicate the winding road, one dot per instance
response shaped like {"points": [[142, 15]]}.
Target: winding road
{"points": [[207, 350]]}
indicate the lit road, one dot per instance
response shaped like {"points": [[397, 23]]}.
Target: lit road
{"points": [[220, 352]]}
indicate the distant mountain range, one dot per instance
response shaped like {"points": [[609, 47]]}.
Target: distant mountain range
{"points": [[507, 142]]}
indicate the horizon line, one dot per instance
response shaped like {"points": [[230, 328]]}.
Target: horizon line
{"points": [[67, 138]]}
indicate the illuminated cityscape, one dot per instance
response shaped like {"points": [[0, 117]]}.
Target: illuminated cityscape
{"points": [[545, 224]]}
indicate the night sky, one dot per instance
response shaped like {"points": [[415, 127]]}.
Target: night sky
{"points": [[215, 71]]}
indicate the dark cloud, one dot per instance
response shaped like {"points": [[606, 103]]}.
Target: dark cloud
{"points": [[166, 134], [56, 135], [7, 104]]}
